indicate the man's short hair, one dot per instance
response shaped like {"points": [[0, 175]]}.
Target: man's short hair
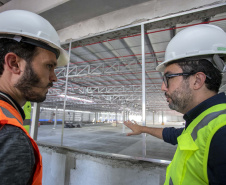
{"points": [[202, 65], [23, 50]]}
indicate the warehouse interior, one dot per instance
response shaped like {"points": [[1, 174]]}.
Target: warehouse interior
{"points": [[114, 48]]}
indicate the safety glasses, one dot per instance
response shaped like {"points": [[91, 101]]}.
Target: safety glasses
{"points": [[166, 77]]}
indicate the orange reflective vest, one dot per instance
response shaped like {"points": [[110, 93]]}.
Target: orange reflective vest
{"points": [[9, 115]]}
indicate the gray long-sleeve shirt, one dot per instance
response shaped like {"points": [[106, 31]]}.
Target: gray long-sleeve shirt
{"points": [[17, 158]]}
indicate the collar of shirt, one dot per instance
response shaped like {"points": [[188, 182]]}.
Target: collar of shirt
{"points": [[17, 105], [193, 113]]}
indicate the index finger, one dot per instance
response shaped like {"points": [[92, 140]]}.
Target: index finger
{"points": [[128, 122]]}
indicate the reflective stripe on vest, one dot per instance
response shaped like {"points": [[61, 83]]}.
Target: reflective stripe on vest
{"points": [[189, 165], [7, 117], [204, 121], [9, 114]]}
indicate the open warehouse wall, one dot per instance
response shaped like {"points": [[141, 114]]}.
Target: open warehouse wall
{"points": [[47, 116]]}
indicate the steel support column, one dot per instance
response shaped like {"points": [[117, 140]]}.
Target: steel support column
{"points": [[55, 119], [100, 117], [34, 122], [123, 120], [95, 117], [89, 117], [73, 117], [82, 117], [143, 89], [116, 119], [65, 94]]}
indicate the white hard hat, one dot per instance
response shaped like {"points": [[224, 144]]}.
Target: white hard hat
{"points": [[31, 28], [197, 41]]}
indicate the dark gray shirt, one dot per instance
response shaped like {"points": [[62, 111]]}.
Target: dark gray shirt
{"points": [[17, 158]]}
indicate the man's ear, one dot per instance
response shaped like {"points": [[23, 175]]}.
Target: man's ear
{"points": [[199, 80], [12, 62]]}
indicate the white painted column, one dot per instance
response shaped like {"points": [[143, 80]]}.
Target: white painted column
{"points": [[100, 117], [96, 117], [34, 122], [89, 117], [116, 118], [82, 117], [73, 118], [55, 119], [143, 89], [65, 95], [162, 119], [123, 120]]}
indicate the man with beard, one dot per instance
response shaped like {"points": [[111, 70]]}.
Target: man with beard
{"points": [[193, 66], [29, 52]]}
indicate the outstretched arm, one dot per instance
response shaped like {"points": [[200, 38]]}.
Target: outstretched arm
{"points": [[138, 129]]}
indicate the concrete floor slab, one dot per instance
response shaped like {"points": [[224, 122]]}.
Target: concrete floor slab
{"points": [[106, 138]]}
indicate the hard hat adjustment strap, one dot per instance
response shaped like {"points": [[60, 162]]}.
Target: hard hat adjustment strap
{"points": [[219, 63], [34, 42]]}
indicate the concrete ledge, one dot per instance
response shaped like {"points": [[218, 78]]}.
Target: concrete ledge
{"points": [[64, 165]]}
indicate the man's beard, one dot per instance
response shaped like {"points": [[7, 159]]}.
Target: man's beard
{"points": [[26, 84], [180, 98]]}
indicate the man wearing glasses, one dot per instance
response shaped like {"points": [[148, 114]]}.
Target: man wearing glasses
{"points": [[193, 67]]}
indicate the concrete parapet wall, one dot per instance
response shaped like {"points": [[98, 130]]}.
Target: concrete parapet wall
{"points": [[63, 165]]}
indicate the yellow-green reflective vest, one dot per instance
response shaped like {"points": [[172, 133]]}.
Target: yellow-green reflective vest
{"points": [[189, 165], [27, 110]]}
